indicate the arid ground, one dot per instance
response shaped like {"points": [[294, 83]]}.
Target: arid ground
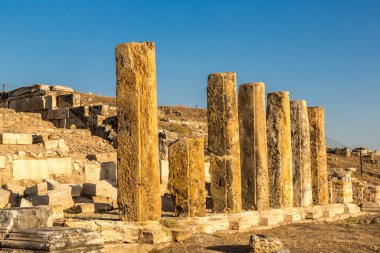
{"points": [[361, 234]]}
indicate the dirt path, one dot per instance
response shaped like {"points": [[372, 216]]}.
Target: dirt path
{"points": [[360, 234]]}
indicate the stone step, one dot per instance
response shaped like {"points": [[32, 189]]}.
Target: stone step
{"points": [[53, 239]]}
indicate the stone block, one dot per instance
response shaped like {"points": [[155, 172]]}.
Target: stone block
{"points": [[26, 218], [50, 102], [223, 196], [30, 169], [264, 244], [292, 217], [15, 188], [54, 239], [244, 221], [25, 203], [51, 144], [16, 139], [331, 210], [109, 170], [5, 198], [207, 172], [68, 100], [38, 189], [61, 113], [213, 224], [60, 197], [79, 112], [93, 173], [50, 114], [36, 103], [59, 166], [351, 208], [164, 171], [186, 177], [84, 208], [104, 188], [76, 189], [100, 110]]}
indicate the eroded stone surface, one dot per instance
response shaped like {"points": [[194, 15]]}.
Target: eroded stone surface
{"points": [[138, 167], [253, 146], [302, 190], [223, 142], [318, 155], [279, 150], [264, 244], [187, 177]]}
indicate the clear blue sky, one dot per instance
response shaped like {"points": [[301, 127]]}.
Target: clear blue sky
{"points": [[327, 52]]}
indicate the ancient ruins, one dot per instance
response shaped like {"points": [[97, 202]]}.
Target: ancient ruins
{"points": [[85, 173]]}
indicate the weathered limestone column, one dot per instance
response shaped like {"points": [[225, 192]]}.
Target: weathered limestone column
{"points": [[138, 173], [223, 142], [253, 147], [279, 150], [318, 155], [302, 189], [187, 177]]}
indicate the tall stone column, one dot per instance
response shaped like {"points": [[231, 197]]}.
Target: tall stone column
{"points": [[253, 147], [138, 173], [302, 189], [279, 150], [223, 142], [318, 155], [187, 177]]}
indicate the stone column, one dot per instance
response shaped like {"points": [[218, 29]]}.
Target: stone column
{"points": [[279, 150], [253, 147], [223, 142], [318, 155], [187, 177], [138, 174], [302, 193]]}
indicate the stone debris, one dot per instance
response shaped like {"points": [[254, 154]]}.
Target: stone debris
{"points": [[265, 244]]}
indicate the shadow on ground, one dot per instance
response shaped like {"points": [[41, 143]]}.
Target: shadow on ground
{"points": [[230, 248]]}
